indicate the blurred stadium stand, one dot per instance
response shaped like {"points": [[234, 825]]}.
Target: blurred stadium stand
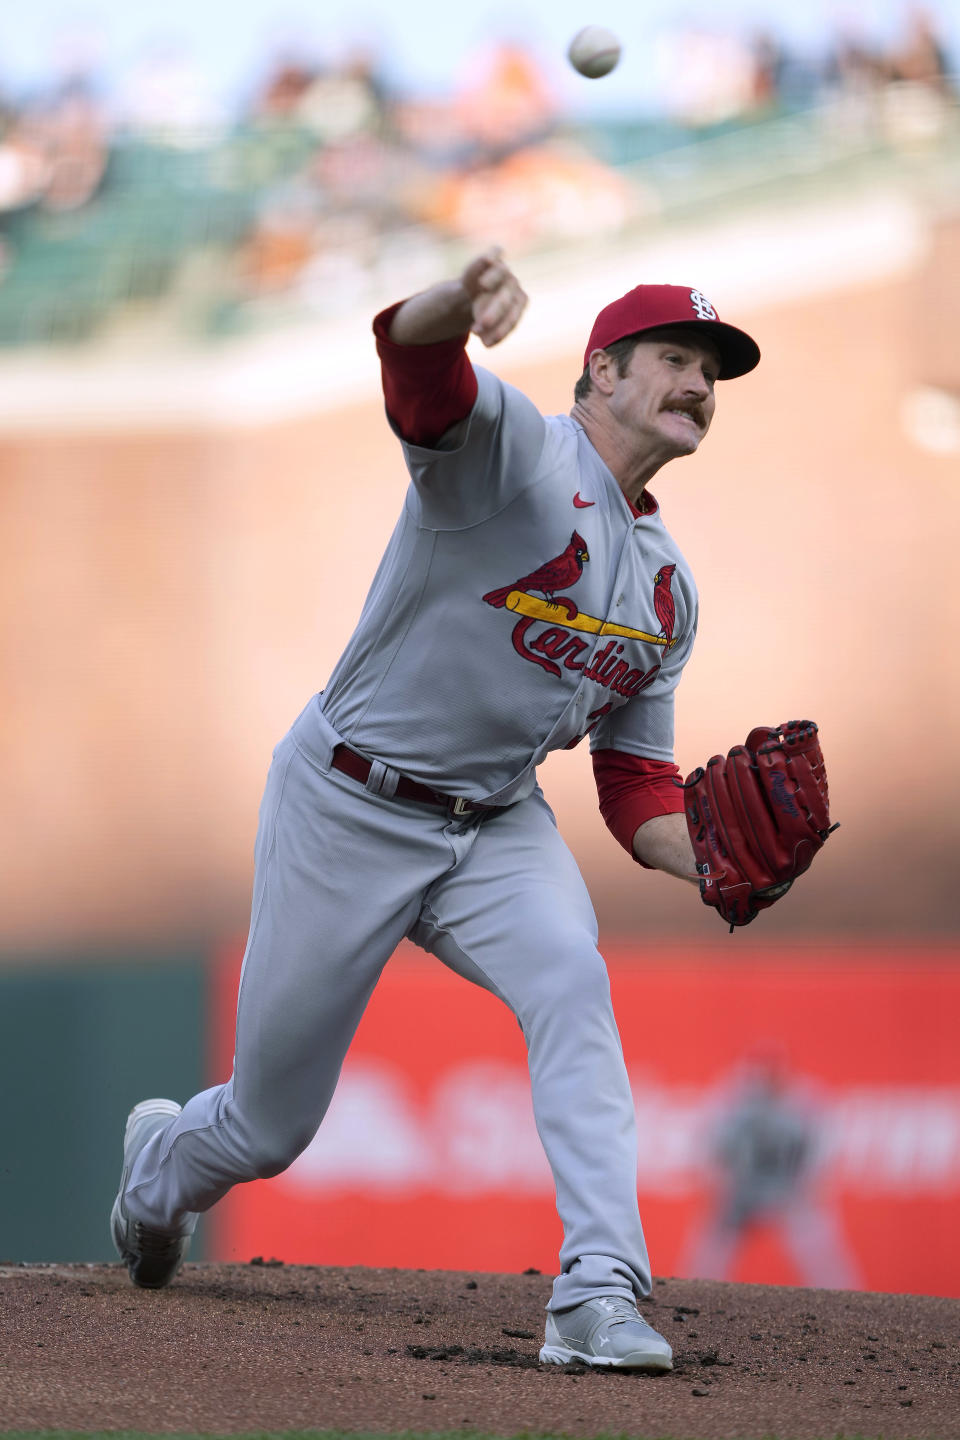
{"points": [[329, 188], [216, 238]]}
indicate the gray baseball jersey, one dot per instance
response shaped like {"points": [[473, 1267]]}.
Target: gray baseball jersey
{"points": [[467, 668]]}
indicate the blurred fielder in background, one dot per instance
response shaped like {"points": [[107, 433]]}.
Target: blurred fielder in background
{"points": [[768, 1150]]}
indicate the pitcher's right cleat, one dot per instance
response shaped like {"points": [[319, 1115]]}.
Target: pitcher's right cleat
{"points": [[606, 1332], [153, 1256]]}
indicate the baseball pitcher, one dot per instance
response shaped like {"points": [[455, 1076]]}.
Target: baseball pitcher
{"points": [[530, 597]]}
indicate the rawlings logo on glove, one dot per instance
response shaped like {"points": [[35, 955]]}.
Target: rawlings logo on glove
{"points": [[757, 817]]}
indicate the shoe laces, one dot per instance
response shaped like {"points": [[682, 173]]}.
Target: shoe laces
{"points": [[154, 1243], [620, 1310]]}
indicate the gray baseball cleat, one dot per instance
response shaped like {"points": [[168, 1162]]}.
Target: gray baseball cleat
{"points": [[153, 1256], [609, 1332]]}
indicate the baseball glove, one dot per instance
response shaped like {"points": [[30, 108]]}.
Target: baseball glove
{"points": [[757, 817]]}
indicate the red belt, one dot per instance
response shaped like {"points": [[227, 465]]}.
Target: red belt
{"points": [[358, 767]]}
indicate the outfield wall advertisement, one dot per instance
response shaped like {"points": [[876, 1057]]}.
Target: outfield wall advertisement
{"points": [[798, 1118]]}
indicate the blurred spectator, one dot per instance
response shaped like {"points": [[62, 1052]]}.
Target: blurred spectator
{"points": [[506, 103], [333, 102], [922, 57], [24, 164], [767, 1150], [277, 249], [432, 130], [282, 92], [920, 91], [855, 67], [902, 95], [855, 77], [554, 191], [768, 63], [72, 131], [345, 101], [709, 76], [54, 151]]}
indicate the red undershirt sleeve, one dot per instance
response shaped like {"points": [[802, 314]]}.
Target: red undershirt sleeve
{"points": [[427, 388], [632, 789]]}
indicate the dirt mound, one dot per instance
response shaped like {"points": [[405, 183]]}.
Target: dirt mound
{"points": [[266, 1346]]}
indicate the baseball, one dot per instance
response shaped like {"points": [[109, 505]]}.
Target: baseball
{"points": [[594, 51]]}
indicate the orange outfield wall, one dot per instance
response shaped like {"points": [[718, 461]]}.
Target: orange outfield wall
{"points": [[429, 1156]]}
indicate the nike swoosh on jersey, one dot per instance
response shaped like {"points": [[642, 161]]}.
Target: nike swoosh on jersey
{"points": [[582, 504]]}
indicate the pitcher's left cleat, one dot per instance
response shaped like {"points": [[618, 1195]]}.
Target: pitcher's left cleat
{"points": [[607, 1332], [153, 1256]]}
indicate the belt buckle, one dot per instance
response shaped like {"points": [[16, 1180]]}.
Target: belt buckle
{"points": [[460, 806]]}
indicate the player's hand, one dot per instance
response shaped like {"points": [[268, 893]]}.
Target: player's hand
{"points": [[496, 296]]}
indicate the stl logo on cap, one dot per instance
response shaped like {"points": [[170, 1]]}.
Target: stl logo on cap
{"points": [[652, 307], [701, 304]]}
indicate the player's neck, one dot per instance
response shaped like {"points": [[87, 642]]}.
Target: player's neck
{"points": [[632, 471]]}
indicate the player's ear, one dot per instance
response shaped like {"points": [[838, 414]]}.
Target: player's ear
{"points": [[603, 371]]}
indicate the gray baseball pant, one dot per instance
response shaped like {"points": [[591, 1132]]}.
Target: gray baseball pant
{"points": [[342, 874]]}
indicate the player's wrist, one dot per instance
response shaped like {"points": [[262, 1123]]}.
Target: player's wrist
{"points": [[662, 843], [444, 312]]}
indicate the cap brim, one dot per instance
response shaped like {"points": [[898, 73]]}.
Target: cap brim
{"points": [[739, 354]]}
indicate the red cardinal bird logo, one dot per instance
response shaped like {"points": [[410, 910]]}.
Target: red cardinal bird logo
{"points": [[564, 570], [664, 603]]}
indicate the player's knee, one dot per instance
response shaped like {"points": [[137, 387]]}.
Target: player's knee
{"points": [[269, 1162], [273, 1153], [586, 988], [575, 984]]}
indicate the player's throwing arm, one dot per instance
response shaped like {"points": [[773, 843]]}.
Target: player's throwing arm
{"points": [[487, 300]]}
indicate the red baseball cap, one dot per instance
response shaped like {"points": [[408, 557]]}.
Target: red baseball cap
{"points": [[650, 306]]}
